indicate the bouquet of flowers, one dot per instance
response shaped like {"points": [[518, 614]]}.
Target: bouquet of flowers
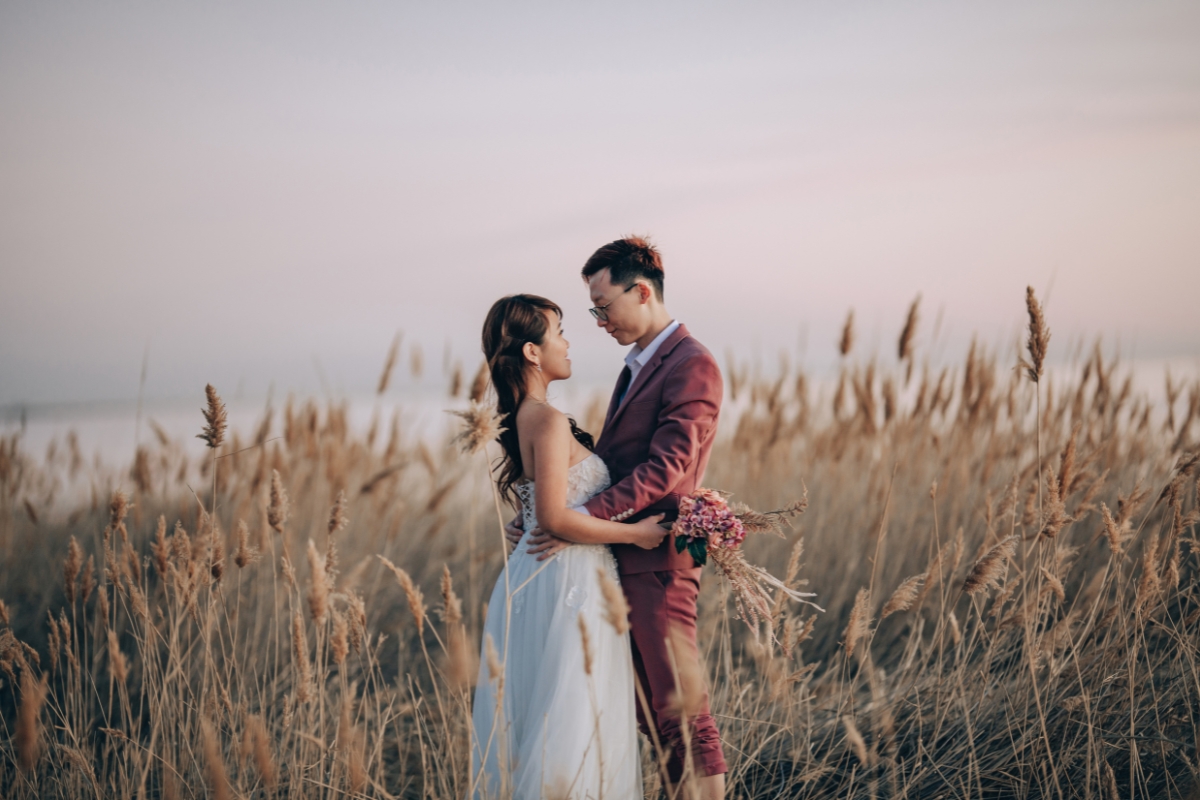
{"points": [[708, 527]]}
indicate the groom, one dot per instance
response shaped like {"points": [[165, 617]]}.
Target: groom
{"points": [[656, 440]]}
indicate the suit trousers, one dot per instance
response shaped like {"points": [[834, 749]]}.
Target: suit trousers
{"points": [[661, 601]]}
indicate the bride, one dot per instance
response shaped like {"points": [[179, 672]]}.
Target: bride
{"points": [[555, 718]]}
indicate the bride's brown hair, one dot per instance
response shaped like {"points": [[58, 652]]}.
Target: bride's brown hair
{"points": [[511, 322]]}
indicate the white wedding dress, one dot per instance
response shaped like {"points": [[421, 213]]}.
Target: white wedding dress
{"points": [[555, 732]]}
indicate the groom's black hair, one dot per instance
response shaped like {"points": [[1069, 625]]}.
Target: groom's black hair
{"points": [[627, 260]]}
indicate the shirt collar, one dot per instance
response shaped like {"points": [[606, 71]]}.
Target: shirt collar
{"points": [[640, 357]]}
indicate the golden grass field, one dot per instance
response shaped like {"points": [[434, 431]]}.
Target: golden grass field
{"points": [[1008, 572]]}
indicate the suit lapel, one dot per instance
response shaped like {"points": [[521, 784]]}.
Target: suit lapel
{"points": [[647, 371]]}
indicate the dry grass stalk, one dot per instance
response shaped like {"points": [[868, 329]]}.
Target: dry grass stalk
{"points": [[412, 593], [1039, 337], [859, 624], [955, 631], [337, 523], [902, 599], [987, 571], [27, 738], [460, 664], [616, 607], [214, 414]]}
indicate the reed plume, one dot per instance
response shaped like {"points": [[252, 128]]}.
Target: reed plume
{"points": [[318, 590], [586, 641], [245, 554], [481, 425]]}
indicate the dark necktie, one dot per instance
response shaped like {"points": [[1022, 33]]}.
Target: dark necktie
{"points": [[623, 384]]}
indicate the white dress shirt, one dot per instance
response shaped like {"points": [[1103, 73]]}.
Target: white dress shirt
{"points": [[635, 359]]}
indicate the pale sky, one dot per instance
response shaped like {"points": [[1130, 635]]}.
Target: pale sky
{"points": [[246, 189]]}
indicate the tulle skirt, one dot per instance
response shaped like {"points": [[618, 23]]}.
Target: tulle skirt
{"points": [[546, 728]]}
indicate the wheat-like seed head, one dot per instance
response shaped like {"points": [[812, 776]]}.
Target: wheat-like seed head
{"points": [[955, 633], [389, 364], [616, 607], [1039, 337], [4, 613], [859, 624], [214, 414], [480, 384], [1054, 585], [902, 599], [304, 686], [855, 738], [116, 659], [987, 570], [587, 645], [256, 746], [905, 347], [495, 667], [847, 341], [214, 765], [412, 593], [451, 604], [246, 554], [318, 591], [27, 739], [71, 565], [689, 695], [277, 511]]}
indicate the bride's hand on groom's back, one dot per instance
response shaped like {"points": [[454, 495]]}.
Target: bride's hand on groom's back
{"points": [[648, 533]]}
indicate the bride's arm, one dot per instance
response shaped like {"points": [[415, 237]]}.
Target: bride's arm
{"points": [[550, 433]]}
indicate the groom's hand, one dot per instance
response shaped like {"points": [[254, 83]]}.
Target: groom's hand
{"points": [[513, 531], [544, 544]]}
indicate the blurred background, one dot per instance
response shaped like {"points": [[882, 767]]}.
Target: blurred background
{"points": [[262, 195]]}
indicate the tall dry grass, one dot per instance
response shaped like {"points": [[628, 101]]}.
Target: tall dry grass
{"points": [[1008, 572]]}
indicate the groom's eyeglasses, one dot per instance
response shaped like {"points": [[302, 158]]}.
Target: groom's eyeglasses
{"points": [[601, 312]]}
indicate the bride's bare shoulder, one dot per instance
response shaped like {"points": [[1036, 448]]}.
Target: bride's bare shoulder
{"points": [[537, 420]]}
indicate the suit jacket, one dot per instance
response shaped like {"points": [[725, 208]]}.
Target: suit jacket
{"points": [[656, 445]]}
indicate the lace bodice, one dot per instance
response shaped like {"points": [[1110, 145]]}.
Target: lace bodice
{"points": [[584, 481]]}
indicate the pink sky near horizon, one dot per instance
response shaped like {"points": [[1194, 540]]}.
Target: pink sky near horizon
{"points": [[245, 190]]}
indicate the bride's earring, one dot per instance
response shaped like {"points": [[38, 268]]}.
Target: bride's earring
{"points": [[539, 367]]}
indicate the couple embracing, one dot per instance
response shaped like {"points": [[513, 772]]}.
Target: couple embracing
{"points": [[558, 716]]}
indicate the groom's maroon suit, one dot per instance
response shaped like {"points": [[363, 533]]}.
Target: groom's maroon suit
{"points": [[656, 444]]}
